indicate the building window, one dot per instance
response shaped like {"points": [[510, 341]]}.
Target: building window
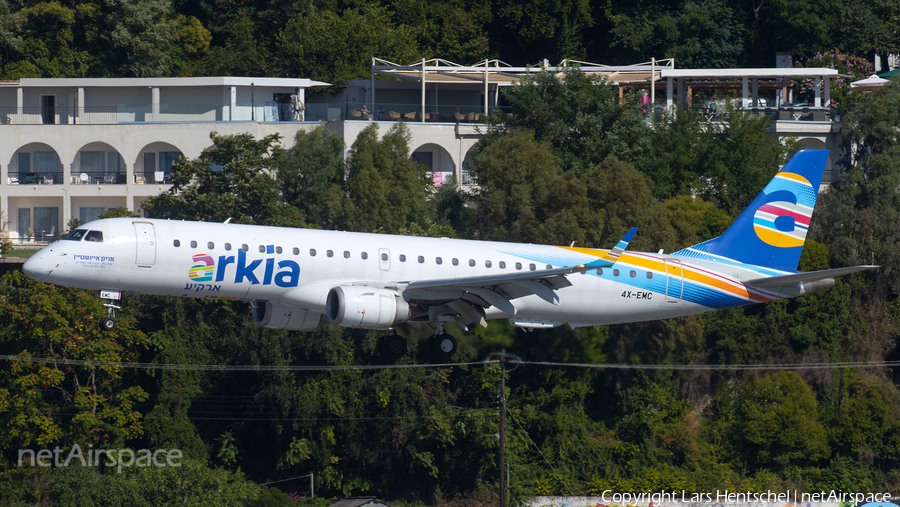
{"points": [[90, 214]]}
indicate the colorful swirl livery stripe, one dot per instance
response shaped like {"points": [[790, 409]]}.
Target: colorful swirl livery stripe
{"points": [[784, 224], [202, 270]]}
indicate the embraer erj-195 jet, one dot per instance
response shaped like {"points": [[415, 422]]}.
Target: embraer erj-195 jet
{"points": [[300, 278]]}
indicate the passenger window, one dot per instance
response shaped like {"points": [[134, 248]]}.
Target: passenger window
{"points": [[176, 242], [262, 248], [278, 249], [211, 245], [615, 272], [364, 255], [312, 252], [632, 274], [346, 254], [402, 258], [455, 261], [245, 248], [439, 260], [384, 257], [649, 275], [518, 265], [95, 236], [421, 259], [227, 247], [329, 253], [78, 234], [296, 251], [600, 272], [487, 264], [532, 267], [502, 265], [193, 243], [549, 266], [472, 262]]}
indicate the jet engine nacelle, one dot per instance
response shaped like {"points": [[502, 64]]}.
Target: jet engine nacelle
{"points": [[365, 307], [276, 316]]}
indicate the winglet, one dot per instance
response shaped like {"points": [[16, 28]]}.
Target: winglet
{"points": [[613, 256], [620, 247]]}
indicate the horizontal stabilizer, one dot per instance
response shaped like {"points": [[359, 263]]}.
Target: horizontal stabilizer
{"points": [[810, 276]]}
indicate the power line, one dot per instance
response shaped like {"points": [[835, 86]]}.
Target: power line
{"points": [[352, 367]]}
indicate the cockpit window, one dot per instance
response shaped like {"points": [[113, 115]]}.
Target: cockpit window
{"points": [[95, 236], [75, 235]]}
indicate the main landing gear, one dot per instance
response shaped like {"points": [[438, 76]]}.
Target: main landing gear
{"points": [[108, 323], [442, 344], [391, 345]]}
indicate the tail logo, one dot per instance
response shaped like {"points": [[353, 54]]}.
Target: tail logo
{"points": [[202, 270], [784, 224]]}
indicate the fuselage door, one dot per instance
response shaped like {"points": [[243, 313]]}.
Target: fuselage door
{"points": [[384, 259], [674, 281], [145, 241]]}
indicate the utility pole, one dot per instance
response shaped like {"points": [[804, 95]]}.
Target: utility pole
{"points": [[503, 428]]}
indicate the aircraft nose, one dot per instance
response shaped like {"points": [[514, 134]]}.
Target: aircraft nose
{"points": [[43, 266], [33, 267]]}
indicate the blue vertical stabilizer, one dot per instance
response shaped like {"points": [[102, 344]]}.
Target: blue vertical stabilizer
{"points": [[771, 231]]}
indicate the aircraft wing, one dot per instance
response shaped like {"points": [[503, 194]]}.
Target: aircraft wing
{"points": [[810, 276], [474, 293]]}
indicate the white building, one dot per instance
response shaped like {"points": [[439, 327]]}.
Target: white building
{"points": [[77, 147]]}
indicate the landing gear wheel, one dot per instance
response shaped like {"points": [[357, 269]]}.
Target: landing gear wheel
{"points": [[394, 346], [107, 324], [443, 345]]}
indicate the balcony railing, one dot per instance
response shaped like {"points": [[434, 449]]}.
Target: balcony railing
{"points": [[98, 178], [152, 177], [325, 112], [398, 112], [33, 178]]}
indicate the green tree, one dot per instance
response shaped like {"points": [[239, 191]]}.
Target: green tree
{"points": [[138, 33], [385, 189], [309, 169], [44, 403], [727, 163], [774, 422], [232, 179], [336, 48], [579, 116], [697, 34]]}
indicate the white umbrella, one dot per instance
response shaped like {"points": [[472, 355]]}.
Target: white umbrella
{"points": [[868, 84]]}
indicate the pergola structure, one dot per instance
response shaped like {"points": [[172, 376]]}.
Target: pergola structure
{"points": [[679, 82], [499, 73], [652, 75]]}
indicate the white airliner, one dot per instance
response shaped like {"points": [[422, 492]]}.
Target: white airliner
{"points": [[299, 279]]}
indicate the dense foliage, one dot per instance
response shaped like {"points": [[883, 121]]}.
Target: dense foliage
{"points": [[334, 41], [573, 165]]}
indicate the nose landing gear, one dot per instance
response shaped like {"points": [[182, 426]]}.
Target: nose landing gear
{"points": [[108, 323]]}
